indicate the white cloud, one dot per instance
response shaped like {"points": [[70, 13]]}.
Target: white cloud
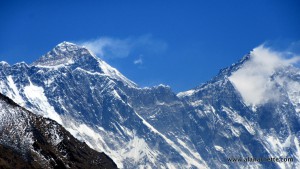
{"points": [[253, 80], [138, 61], [107, 47]]}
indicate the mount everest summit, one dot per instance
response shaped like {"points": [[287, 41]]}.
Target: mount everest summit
{"points": [[155, 128]]}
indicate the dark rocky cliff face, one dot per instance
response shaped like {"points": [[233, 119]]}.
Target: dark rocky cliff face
{"points": [[31, 141]]}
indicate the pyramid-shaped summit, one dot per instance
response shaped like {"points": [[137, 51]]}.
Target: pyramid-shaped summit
{"points": [[67, 54], [63, 54]]}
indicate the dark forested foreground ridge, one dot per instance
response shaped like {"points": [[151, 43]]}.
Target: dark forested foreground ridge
{"points": [[30, 141], [250, 110]]}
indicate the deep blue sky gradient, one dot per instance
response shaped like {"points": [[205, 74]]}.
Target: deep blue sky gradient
{"points": [[201, 36]]}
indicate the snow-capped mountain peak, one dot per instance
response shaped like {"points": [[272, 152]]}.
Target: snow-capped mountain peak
{"points": [[67, 54], [3, 63], [64, 53]]}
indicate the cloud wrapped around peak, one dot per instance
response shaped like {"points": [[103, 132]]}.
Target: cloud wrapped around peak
{"points": [[253, 79]]}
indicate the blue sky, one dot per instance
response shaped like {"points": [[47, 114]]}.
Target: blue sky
{"points": [[178, 43]]}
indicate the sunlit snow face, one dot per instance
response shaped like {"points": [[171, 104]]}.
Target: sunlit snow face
{"points": [[253, 79]]}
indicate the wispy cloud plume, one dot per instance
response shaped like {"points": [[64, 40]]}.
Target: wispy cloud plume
{"points": [[253, 79], [107, 47], [138, 61]]}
